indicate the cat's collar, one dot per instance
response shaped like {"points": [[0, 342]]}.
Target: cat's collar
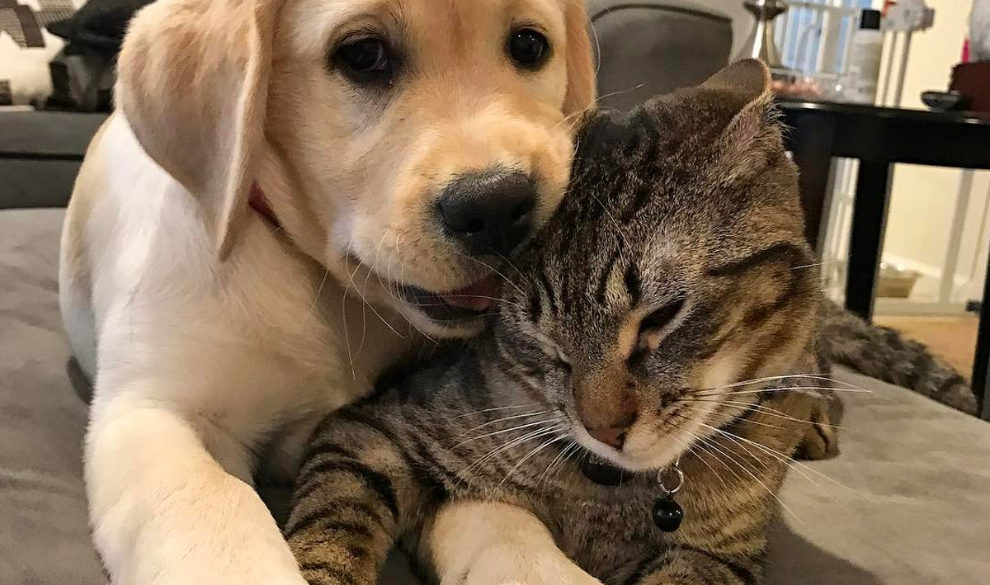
{"points": [[667, 514], [258, 202], [602, 472]]}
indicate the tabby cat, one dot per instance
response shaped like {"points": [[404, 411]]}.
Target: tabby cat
{"points": [[667, 313]]}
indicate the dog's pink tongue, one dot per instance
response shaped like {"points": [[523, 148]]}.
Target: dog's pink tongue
{"points": [[474, 297]]}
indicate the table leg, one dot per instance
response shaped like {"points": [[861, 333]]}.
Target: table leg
{"points": [[811, 141], [866, 240], [981, 364]]}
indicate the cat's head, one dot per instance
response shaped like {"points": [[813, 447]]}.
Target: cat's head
{"points": [[676, 267]]}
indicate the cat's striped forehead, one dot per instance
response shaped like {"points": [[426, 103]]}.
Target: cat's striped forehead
{"points": [[659, 198]]}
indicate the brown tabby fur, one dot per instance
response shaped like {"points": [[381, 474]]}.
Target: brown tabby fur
{"points": [[672, 283]]}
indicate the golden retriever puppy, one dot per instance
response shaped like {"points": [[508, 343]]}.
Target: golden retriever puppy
{"points": [[292, 195]]}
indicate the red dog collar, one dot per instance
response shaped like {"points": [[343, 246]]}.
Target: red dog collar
{"points": [[259, 203]]}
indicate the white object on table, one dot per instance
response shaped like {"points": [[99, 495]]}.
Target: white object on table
{"points": [[865, 56], [904, 18], [979, 31]]}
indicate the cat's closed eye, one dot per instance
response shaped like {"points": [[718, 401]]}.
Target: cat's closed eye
{"points": [[554, 352], [655, 321], [653, 327], [562, 360]]}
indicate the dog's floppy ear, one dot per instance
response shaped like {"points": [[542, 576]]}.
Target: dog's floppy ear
{"points": [[581, 84], [193, 85]]}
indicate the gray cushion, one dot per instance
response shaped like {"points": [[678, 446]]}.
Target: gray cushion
{"points": [[906, 503], [36, 183], [47, 135], [40, 154], [44, 535], [653, 47]]}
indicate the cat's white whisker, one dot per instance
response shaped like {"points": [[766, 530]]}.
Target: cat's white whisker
{"points": [[505, 418], [494, 270], [841, 383], [816, 264], [559, 459], [794, 464], [753, 475], [782, 389], [508, 430], [529, 455], [764, 410], [483, 410], [743, 421], [518, 441], [688, 448], [749, 453], [787, 460]]}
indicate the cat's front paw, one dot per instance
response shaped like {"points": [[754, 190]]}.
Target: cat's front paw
{"points": [[518, 565]]}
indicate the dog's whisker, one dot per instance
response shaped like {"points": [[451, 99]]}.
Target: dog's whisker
{"points": [[319, 291], [377, 314], [395, 295], [508, 262], [343, 321], [364, 303], [492, 269]]}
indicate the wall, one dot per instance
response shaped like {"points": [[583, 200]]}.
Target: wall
{"points": [[924, 199]]}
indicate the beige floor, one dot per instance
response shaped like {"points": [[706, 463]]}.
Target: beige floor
{"points": [[953, 338]]}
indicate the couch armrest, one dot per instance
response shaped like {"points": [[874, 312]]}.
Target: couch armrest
{"points": [[40, 153]]}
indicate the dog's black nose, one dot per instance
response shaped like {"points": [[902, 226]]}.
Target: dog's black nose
{"points": [[489, 212]]}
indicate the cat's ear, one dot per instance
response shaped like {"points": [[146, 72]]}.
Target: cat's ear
{"points": [[748, 78], [753, 135]]}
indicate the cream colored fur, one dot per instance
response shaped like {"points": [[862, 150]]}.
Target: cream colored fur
{"points": [[215, 340]]}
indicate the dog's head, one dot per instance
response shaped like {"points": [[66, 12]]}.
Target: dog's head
{"points": [[407, 145]]}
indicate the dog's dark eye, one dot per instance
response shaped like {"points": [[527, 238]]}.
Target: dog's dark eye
{"points": [[365, 60], [528, 48]]}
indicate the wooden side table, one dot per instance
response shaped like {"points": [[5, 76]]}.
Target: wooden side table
{"points": [[880, 137]]}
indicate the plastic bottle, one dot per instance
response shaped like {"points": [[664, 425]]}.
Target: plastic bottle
{"points": [[864, 60]]}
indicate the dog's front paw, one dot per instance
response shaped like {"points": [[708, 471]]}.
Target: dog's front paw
{"points": [[518, 565], [194, 568]]}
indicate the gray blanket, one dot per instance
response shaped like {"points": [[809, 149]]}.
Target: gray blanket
{"points": [[907, 502]]}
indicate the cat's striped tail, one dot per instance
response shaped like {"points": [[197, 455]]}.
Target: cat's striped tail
{"points": [[883, 353]]}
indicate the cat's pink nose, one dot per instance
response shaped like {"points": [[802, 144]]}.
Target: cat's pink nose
{"points": [[608, 415], [611, 436]]}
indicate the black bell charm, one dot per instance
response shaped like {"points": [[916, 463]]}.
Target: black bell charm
{"points": [[667, 514]]}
